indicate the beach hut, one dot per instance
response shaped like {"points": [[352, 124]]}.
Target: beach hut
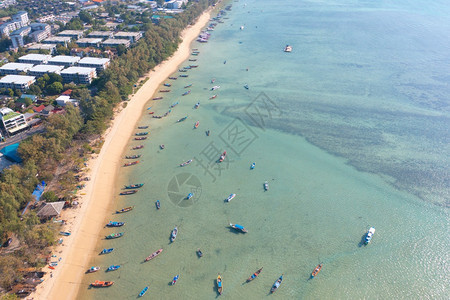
{"points": [[50, 210]]}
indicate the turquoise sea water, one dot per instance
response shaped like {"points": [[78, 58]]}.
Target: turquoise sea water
{"points": [[350, 129]]}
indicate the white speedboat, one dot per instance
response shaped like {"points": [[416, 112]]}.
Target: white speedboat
{"points": [[369, 235], [231, 197]]}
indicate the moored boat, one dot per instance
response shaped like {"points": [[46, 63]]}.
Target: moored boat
{"points": [[157, 98], [183, 75], [369, 235], [162, 146], [196, 105], [182, 119], [213, 97], [153, 255], [128, 192], [138, 147], [106, 251], [164, 91], [186, 93], [167, 84], [199, 253], [140, 138], [219, 284], [114, 235], [112, 268], [175, 279], [115, 224], [196, 124], [64, 233], [316, 270], [192, 59], [254, 275], [173, 78], [216, 87], [276, 285], [143, 127], [174, 104], [231, 197], [246, 86], [252, 166], [207, 132], [126, 209], [222, 157], [188, 86], [189, 196], [99, 283], [132, 156], [239, 227], [186, 163], [143, 291], [93, 269], [174, 234], [131, 163], [288, 48], [158, 204], [134, 186], [266, 186]]}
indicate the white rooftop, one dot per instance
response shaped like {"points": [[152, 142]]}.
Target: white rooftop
{"points": [[19, 79], [77, 70], [42, 46], [64, 59], [71, 32], [58, 39], [93, 60], [46, 68], [16, 66], [100, 33], [5, 110], [89, 40], [116, 41], [126, 33], [33, 56]]}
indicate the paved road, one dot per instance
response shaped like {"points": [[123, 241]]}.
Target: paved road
{"points": [[21, 136]]}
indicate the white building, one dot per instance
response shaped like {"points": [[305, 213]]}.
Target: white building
{"points": [[64, 60], [61, 40], [79, 75], [101, 34], [40, 31], [12, 121], [15, 68], [41, 70], [93, 62], [35, 59], [89, 42], [45, 19], [63, 100], [18, 82], [17, 36], [49, 47], [116, 42], [19, 20], [132, 36], [74, 34], [22, 18]]}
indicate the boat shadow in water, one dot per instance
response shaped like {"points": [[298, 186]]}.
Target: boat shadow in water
{"points": [[362, 241]]}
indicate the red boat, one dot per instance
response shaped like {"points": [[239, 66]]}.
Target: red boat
{"points": [[140, 138], [316, 270], [151, 113], [196, 124], [222, 157], [131, 163], [99, 283], [153, 255], [213, 97], [254, 275]]}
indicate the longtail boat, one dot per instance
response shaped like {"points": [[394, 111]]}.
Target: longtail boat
{"points": [[140, 138], [174, 234], [114, 235], [126, 209], [112, 268], [157, 98], [131, 163], [196, 105], [186, 163], [196, 124], [115, 224], [276, 285], [199, 253], [193, 66], [164, 91], [369, 235], [99, 283], [143, 291], [106, 251], [174, 104], [186, 93], [192, 59], [128, 192], [182, 119], [231, 197], [143, 127], [183, 75], [188, 86], [254, 275], [134, 186], [158, 204], [132, 156], [222, 157], [142, 133], [138, 147], [173, 78], [316, 270], [175, 279], [153, 255], [219, 284], [93, 269], [238, 227], [213, 97], [167, 84]]}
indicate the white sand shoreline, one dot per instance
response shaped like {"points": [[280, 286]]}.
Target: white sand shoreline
{"points": [[78, 249]]}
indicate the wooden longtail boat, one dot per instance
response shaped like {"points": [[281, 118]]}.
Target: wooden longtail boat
{"points": [[254, 275], [316, 270], [125, 209], [134, 186], [219, 284], [153, 255], [99, 283], [131, 163], [128, 192], [276, 285], [114, 236]]}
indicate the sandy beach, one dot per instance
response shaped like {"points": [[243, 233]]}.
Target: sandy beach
{"points": [[86, 221]]}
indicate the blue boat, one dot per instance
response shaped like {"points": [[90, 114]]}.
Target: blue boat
{"points": [[112, 268], [143, 291], [185, 93], [64, 233], [115, 224], [246, 86], [106, 251], [158, 204], [173, 105], [252, 166], [189, 196], [167, 84], [238, 227], [174, 280]]}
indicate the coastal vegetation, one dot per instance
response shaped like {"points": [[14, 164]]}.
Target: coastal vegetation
{"points": [[58, 154]]}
